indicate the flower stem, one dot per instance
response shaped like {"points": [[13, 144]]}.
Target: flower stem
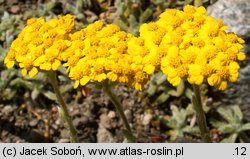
{"points": [[114, 99], [201, 119], [63, 111]]}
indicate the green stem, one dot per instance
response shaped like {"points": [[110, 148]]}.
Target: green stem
{"points": [[63, 111], [201, 119], [197, 3], [114, 99]]}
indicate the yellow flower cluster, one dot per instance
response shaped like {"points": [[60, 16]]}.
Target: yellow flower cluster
{"points": [[184, 44], [99, 52], [40, 44], [146, 48], [195, 47]]}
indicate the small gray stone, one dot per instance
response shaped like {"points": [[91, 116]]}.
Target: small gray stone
{"points": [[80, 121], [128, 114], [58, 122], [11, 119], [111, 114], [106, 121], [104, 136], [4, 133], [33, 122], [63, 141], [147, 119], [65, 133], [7, 109]]}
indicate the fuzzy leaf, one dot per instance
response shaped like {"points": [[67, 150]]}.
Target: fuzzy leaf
{"points": [[8, 94], [50, 95], [227, 129], [175, 110], [65, 88], [188, 1], [226, 114], [133, 24], [39, 78], [179, 115], [237, 112], [22, 82], [191, 130], [245, 127], [179, 90], [189, 93], [174, 134], [79, 4], [189, 109], [158, 2], [231, 139], [2, 54], [172, 123], [50, 5], [121, 7], [145, 15], [80, 16], [122, 24], [35, 93], [160, 78], [177, 123], [71, 8], [205, 108], [151, 89], [216, 124], [162, 98], [9, 74]]}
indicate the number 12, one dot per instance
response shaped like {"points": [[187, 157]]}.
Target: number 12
{"points": [[241, 151]]}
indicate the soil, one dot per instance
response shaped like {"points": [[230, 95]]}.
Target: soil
{"points": [[94, 117]]}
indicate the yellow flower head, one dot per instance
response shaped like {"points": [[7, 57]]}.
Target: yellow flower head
{"points": [[196, 48], [147, 49], [99, 53], [40, 45]]}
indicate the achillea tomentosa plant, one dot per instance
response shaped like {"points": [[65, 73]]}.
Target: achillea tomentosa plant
{"points": [[38, 48], [196, 49], [184, 45], [189, 45], [99, 53]]}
